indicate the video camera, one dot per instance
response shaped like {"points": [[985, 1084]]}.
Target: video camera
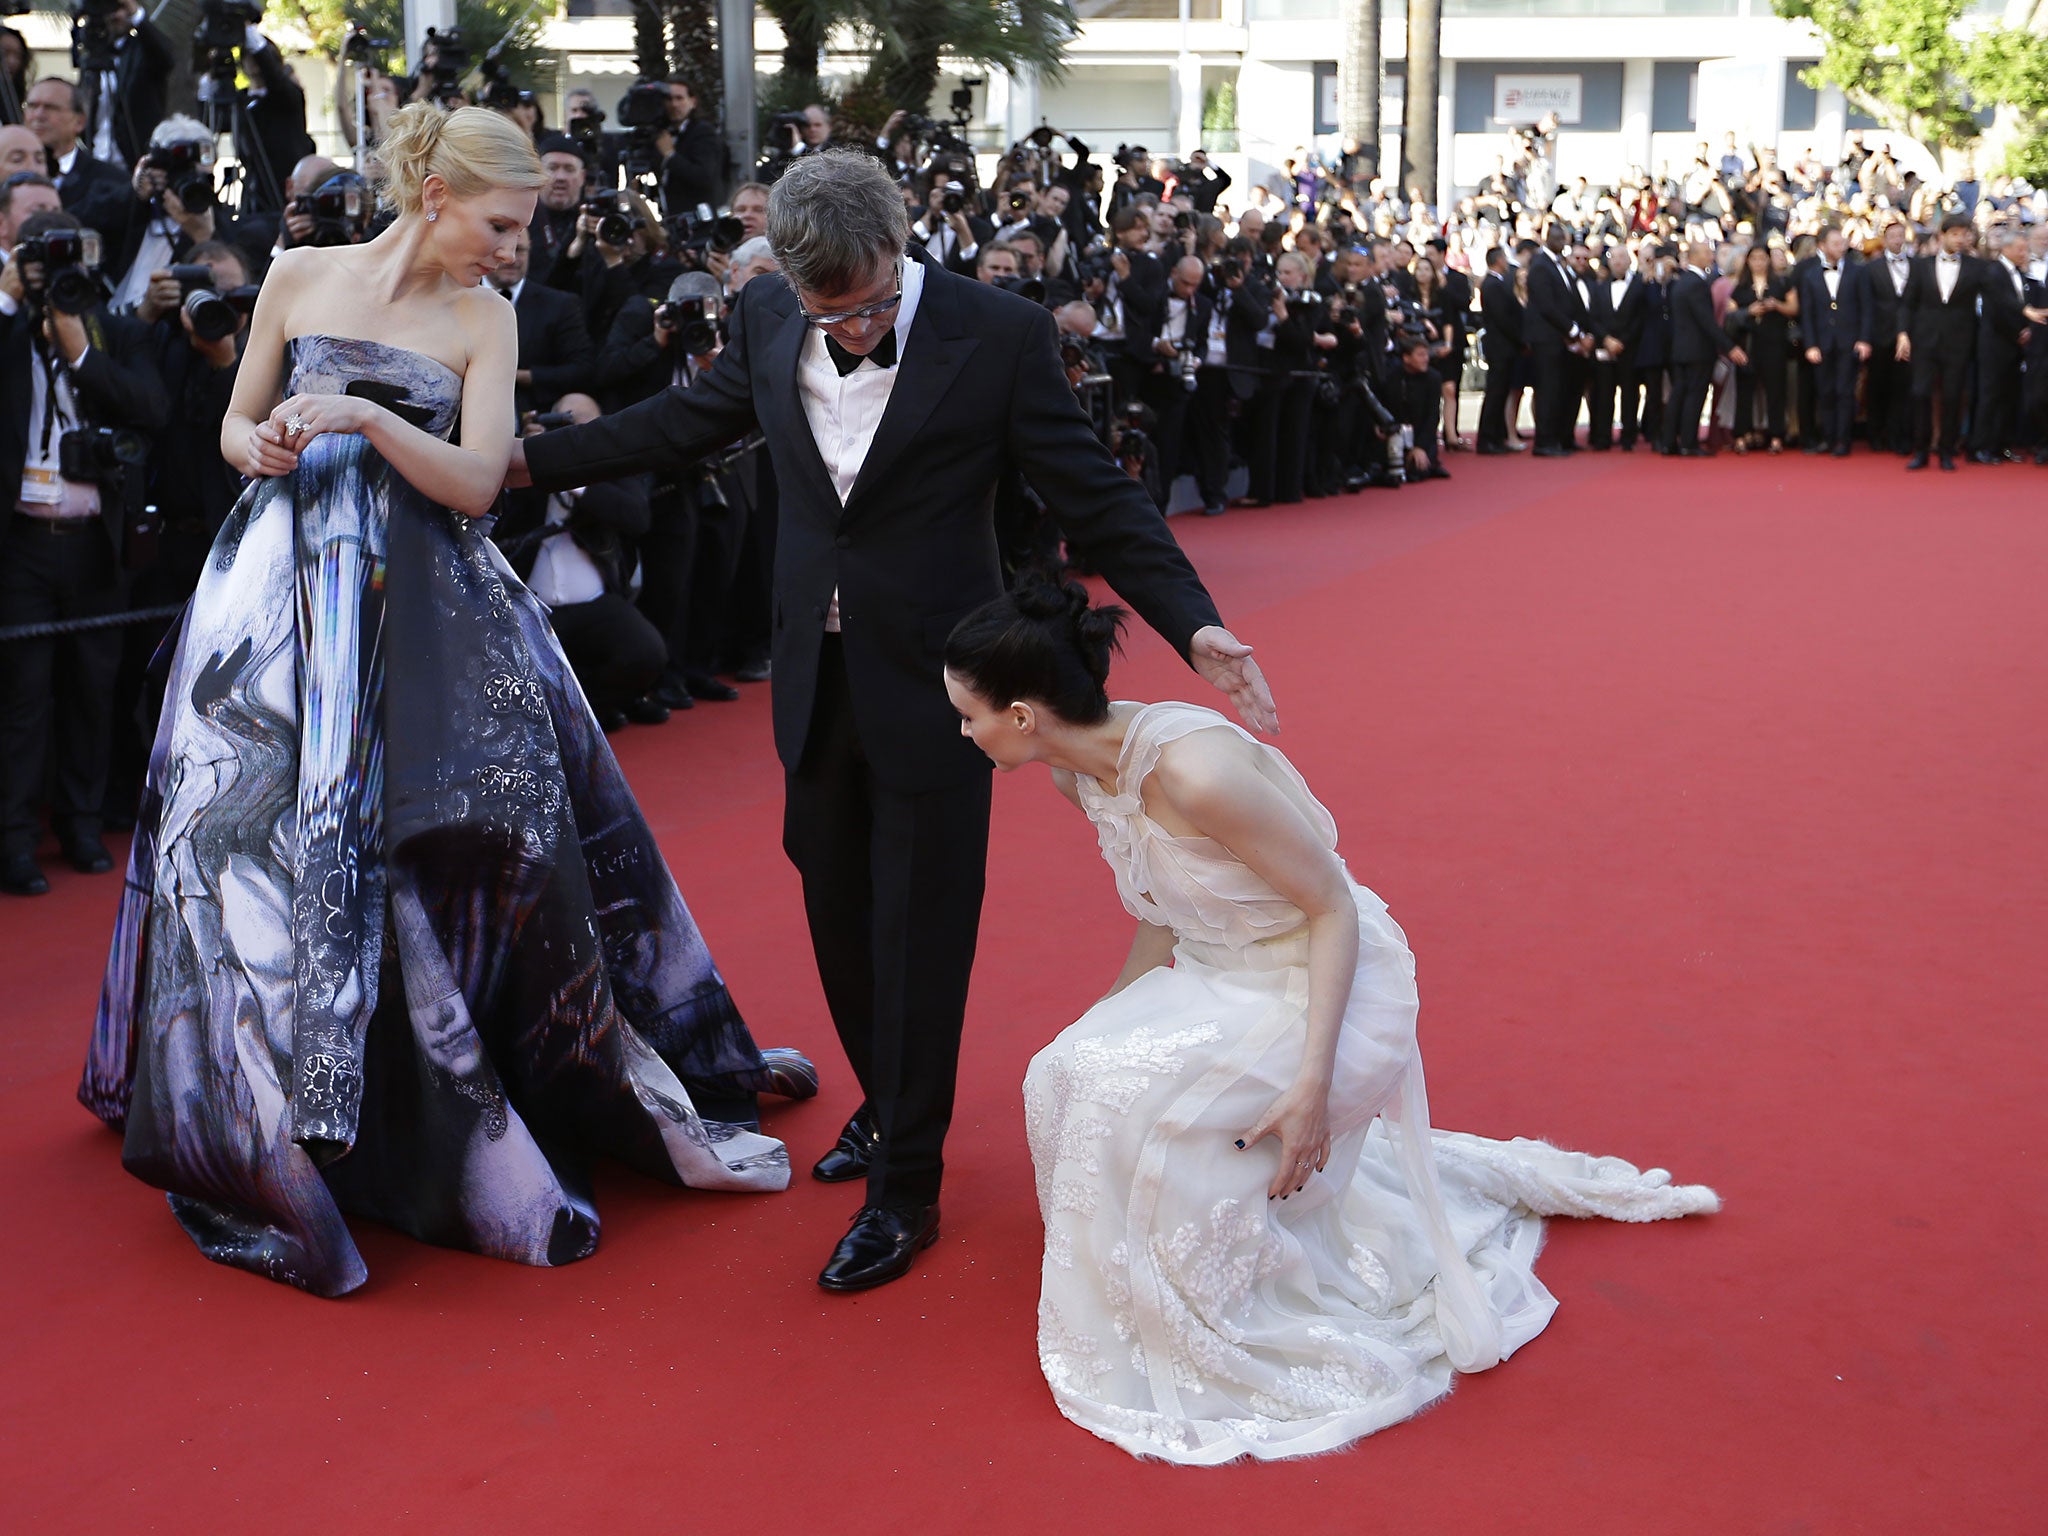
{"points": [[643, 113], [92, 34], [450, 64], [68, 260], [218, 41], [213, 314], [188, 171]]}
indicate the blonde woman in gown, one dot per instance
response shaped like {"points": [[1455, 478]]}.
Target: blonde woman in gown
{"points": [[1255, 1243]]}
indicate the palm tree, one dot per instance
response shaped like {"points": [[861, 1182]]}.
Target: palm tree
{"points": [[1418, 116], [1358, 84]]}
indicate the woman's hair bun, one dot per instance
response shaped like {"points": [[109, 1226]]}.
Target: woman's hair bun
{"points": [[473, 149], [1043, 641]]}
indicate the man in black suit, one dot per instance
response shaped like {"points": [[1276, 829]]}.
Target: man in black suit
{"points": [[1696, 341], [2002, 325], [887, 470], [1938, 338], [1833, 300], [1887, 393], [93, 190], [1500, 342], [1619, 299], [1249, 324], [555, 351], [1645, 383], [61, 557], [561, 198], [1554, 329], [693, 154], [124, 104]]}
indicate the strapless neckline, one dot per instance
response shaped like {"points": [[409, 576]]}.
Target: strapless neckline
{"points": [[366, 341]]}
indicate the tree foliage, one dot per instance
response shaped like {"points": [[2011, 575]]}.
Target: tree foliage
{"points": [[481, 22]]}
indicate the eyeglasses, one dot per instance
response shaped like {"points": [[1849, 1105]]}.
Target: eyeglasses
{"points": [[865, 312]]}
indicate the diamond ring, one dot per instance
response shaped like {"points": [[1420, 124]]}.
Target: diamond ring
{"points": [[294, 425]]}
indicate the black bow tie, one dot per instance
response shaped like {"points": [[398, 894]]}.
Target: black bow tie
{"points": [[883, 356]]}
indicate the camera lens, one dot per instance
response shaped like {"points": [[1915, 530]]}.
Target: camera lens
{"points": [[213, 317], [614, 229]]}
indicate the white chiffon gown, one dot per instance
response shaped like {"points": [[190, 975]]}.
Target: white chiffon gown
{"points": [[1182, 1314]]}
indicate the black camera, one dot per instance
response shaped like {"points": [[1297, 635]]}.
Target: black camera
{"points": [[695, 322], [188, 171], [214, 314], [1096, 266], [952, 198], [361, 48], [645, 105], [548, 421], [1032, 288], [1230, 269], [617, 219], [99, 455], [69, 282], [339, 208], [218, 40], [92, 35], [1019, 201], [785, 132]]}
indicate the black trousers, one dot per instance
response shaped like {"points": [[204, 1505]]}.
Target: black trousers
{"points": [[1940, 372], [1291, 440], [749, 606], [1205, 442], [1169, 398], [1764, 376], [56, 695], [616, 654], [1689, 384], [667, 554], [1887, 395], [1556, 408], [1642, 403], [893, 884], [714, 563], [1995, 419], [1578, 384], [1493, 405], [1603, 394], [1833, 421], [1259, 437]]}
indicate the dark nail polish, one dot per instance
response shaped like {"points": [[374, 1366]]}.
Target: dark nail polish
{"points": [[1240, 1146]]}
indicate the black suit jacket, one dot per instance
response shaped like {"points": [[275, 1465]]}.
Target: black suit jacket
{"points": [[142, 79], [913, 549], [1251, 307], [1623, 321], [1554, 308], [1837, 324], [1999, 319], [554, 346], [1929, 322], [97, 193], [695, 172], [1695, 338], [1500, 314], [117, 387], [1881, 304]]}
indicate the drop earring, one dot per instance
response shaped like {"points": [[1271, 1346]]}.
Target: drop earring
{"points": [[433, 216]]}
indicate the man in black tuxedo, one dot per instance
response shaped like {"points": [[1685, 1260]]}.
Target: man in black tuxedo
{"points": [[124, 104], [1938, 338], [1500, 342], [1619, 299], [555, 351], [93, 190], [62, 557], [1833, 300], [1887, 382], [1695, 342], [2002, 323], [887, 472], [693, 154], [1554, 329]]}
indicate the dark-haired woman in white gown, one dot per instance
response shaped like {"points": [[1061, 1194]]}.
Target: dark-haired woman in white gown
{"points": [[1255, 1243]]}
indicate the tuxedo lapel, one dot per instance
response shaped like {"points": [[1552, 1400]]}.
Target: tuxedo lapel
{"points": [[933, 355]]}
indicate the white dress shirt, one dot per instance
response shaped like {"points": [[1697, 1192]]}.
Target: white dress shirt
{"points": [[2019, 282], [1832, 276], [43, 492], [563, 572], [1218, 355], [1176, 327], [1947, 269], [844, 410]]}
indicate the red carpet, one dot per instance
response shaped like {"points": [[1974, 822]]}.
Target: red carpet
{"points": [[1711, 799]]}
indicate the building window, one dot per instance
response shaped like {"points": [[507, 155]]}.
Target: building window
{"points": [[1393, 95], [1674, 98], [1147, 10]]}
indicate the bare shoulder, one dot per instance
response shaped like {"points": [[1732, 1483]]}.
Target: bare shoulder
{"points": [[1206, 767], [486, 319], [1065, 782]]}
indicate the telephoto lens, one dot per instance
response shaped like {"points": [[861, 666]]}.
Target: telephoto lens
{"points": [[211, 314]]}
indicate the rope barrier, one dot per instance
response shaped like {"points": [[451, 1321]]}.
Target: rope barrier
{"points": [[57, 627]]}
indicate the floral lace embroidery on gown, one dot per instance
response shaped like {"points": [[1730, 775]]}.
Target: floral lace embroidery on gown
{"points": [[1184, 1316], [395, 939]]}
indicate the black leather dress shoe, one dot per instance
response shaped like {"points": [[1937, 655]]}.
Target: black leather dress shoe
{"points": [[754, 672], [1840, 450], [852, 1152], [880, 1246], [610, 720], [1948, 461], [1550, 453], [646, 710], [1918, 461], [671, 692], [1985, 458], [21, 875], [711, 689], [1488, 450], [88, 855]]}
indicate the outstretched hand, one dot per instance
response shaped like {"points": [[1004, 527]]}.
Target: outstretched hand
{"points": [[1226, 663]]}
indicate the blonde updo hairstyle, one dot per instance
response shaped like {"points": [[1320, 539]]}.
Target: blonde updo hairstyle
{"points": [[472, 149]]}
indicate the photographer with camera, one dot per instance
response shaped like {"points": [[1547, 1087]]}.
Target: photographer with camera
{"points": [[22, 196], [692, 153], [585, 127], [1202, 182], [1417, 404], [555, 352], [92, 189], [170, 208], [620, 249], [124, 64], [1132, 301], [559, 204], [21, 151], [948, 231], [693, 543], [1300, 337], [1167, 387], [72, 448], [271, 133], [1134, 180]]}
